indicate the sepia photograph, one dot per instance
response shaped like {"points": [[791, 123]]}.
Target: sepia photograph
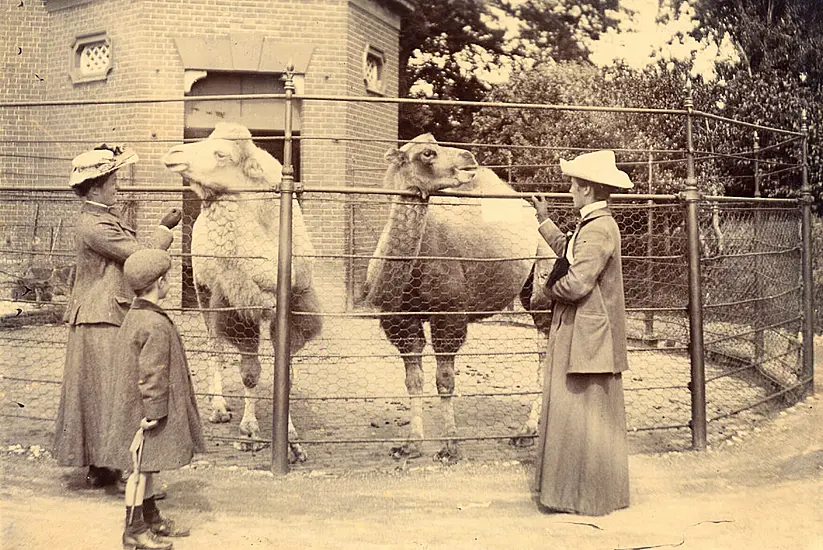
{"points": [[411, 274]]}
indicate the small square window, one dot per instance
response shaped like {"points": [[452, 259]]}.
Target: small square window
{"points": [[373, 61], [91, 58]]}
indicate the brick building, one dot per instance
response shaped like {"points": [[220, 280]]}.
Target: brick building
{"points": [[97, 51]]}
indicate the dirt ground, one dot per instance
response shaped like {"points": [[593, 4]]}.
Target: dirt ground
{"points": [[759, 490]]}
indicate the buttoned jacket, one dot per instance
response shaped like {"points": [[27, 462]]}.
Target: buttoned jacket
{"points": [[103, 242], [588, 330]]}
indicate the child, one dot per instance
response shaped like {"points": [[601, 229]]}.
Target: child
{"points": [[154, 392]]}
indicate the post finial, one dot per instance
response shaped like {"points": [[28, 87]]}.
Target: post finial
{"points": [[288, 75], [689, 103]]}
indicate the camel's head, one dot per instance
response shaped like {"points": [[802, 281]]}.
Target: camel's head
{"points": [[226, 160], [425, 166]]}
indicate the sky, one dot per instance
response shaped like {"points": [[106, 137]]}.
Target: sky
{"points": [[647, 30]]}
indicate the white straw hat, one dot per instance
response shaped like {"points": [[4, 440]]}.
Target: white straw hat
{"points": [[599, 167], [98, 162]]}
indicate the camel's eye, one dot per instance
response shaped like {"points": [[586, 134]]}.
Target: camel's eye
{"points": [[221, 155], [428, 154]]}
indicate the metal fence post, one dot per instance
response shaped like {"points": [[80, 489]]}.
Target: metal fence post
{"points": [[808, 275], [759, 340], [697, 384], [649, 315], [282, 355]]}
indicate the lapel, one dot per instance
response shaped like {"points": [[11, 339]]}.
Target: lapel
{"points": [[590, 217]]}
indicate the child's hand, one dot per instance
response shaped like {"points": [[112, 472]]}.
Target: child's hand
{"points": [[147, 424]]}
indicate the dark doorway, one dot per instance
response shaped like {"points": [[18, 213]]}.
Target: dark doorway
{"points": [[263, 118]]}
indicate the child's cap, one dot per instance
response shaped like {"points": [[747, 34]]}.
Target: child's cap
{"points": [[145, 266]]}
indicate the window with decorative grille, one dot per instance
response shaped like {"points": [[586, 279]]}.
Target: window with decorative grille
{"points": [[95, 58], [91, 58], [373, 70]]}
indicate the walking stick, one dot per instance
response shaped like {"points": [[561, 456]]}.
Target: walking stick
{"points": [[136, 449]]}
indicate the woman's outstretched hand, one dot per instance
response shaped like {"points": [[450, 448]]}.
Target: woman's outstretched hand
{"points": [[171, 218]]}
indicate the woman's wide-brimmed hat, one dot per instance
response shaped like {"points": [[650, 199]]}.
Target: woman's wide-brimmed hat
{"points": [[599, 167], [100, 161]]}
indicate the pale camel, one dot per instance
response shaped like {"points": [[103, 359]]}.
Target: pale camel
{"points": [[234, 257], [459, 260]]}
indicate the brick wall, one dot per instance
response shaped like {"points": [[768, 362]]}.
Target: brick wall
{"points": [[146, 63]]}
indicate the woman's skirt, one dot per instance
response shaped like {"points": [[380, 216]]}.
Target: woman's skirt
{"points": [[582, 460], [78, 440]]}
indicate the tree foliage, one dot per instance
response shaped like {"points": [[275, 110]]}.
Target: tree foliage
{"points": [[781, 74], [563, 133], [443, 45], [558, 29]]}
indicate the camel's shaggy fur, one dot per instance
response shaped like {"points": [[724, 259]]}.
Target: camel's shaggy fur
{"points": [[453, 259], [235, 242]]}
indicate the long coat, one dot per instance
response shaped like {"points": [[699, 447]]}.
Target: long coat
{"points": [[154, 383], [588, 330], [96, 307], [582, 461]]}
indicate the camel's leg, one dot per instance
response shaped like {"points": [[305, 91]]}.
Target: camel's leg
{"points": [[406, 334], [220, 411], [448, 335], [303, 329], [527, 432], [244, 334]]}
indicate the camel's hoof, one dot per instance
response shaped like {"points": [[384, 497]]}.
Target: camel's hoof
{"points": [[406, 450], [523, 440], [219, 417], [448, 455], [250, 446], [250, 429], [297, 454]]}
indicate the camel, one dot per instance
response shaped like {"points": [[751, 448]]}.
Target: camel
{"points": [[487, 246], [234, 258]]}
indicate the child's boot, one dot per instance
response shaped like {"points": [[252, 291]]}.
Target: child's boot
{"points": [[160, 525], [138, 536]]}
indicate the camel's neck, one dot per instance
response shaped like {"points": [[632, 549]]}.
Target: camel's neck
{"points": [[401, 238]]}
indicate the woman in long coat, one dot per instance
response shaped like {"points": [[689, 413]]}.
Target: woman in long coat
{"points": [[96, 307], [582, 459]]}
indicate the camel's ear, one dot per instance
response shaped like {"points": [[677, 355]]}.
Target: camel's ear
{"points": [[396, 156], [424, 138]]}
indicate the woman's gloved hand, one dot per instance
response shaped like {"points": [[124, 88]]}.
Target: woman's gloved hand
{"points": [[171, 218]]}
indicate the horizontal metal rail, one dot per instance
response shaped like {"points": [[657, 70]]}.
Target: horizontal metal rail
{"points": [[764, 400], [752, 331], [754, 300], [338, 99], [711, 116], [750, 366]]}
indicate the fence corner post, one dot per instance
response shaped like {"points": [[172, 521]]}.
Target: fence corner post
{"points": [[806, 201], [282, 347], [759, 336], [691, 195]]}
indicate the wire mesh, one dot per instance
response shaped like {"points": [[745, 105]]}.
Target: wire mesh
{"points": [[452, 271], [349, 383]]}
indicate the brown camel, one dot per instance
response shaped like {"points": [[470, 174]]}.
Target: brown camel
{"points": [[234, 256], [474, 256]]}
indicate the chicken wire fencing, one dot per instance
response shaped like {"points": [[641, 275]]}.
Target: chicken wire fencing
{"points": [[409, 327], [349, 394]]}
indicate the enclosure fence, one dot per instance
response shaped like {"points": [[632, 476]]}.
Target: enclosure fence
{"points": [[718, 295]]}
